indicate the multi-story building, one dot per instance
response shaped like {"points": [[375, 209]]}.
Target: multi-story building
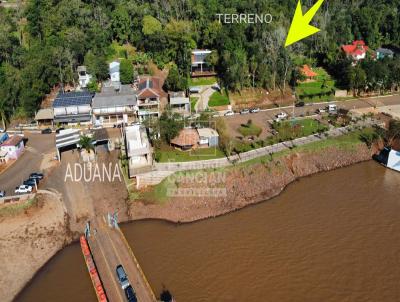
{"points": [[149, 98], [138, 150], [73, 108], [113, 106]]}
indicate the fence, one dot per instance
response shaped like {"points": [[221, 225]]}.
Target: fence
{"points": [[246, 156]]}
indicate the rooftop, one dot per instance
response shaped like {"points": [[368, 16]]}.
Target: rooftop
{"points": [[73, 99], [44, 114], [179, 100], [137, 142], [13, 141], [186, 138], [207, 132], [307, 71]]}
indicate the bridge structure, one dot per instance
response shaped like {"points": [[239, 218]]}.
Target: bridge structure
{"points": [[109, 248]]}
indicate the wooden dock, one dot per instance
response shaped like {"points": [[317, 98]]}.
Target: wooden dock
{"points": [[109, 249]]}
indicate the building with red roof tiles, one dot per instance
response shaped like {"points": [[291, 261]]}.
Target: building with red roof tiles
{"points": [[149, 97], [357, 50], [13, 146], [308, 72]]}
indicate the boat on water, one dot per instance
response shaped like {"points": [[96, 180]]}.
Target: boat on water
{"points": [[390, 158]]}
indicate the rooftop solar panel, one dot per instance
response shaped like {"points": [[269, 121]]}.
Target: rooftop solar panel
{"points": [[72, 101], [63, 95]]}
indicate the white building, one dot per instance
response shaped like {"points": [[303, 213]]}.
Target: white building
{"points": [[114, 72], [138, 150], [83, 77]]}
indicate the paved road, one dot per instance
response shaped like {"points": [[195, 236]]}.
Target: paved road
{"points": [[263, 116], [36, 146], [109, 250], [312, 107]]}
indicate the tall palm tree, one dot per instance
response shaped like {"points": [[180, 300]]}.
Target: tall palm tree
{"points": [[86, 143]]}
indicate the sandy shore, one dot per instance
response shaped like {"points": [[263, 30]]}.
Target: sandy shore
{"points": [[28, 240]]}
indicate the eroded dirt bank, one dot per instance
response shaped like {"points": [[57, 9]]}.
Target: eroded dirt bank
{"points": [[248, 184], [28, 240]]}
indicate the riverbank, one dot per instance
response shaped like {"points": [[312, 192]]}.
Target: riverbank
{"points": [[44, 229], [220, 191], [29, 239]]}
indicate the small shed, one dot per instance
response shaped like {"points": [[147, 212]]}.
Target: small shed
{"points": [[45, 116], [208, 137]]}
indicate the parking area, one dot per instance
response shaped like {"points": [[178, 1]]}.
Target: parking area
{"points": [[38, 147]]}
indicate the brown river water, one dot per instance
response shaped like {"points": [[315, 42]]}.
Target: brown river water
{"points": [[334, 236]]}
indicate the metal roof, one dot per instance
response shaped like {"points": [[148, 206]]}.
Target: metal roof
{"points": [[44, 114]]}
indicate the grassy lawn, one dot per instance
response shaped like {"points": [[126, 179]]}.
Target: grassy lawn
{"points": [[16, 209], [318, 90], [298, 128], [202, 81], [175, 155], [218, 99], [348, 142], [193, 102], [249, 130]]}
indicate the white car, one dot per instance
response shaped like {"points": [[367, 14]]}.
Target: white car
{"points": [[321, 110], [23, 189], [229, 113], [2, 130], [282, 115]]}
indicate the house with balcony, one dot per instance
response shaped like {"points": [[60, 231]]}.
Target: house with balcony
{"points": [[179, 103], [138, 150], [114, 105], [200, 67], [73, 108], [149, 96]]}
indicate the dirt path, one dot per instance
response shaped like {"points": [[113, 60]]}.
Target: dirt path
{"points": [[29, 240]]}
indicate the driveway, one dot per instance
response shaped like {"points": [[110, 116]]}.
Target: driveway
{"points": [[204, 97], [37, 146]]}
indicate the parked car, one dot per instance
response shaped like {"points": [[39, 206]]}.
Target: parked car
{"points": [[47, 131], [59, 130], [2, 193], [254, 110], [244, 111], [2, 130], [36, 175], [23, 189], [229, 113], [321, 110], [122, 277], [31, 182], [282, 115], [130, 294], [332, 108], [300, 104]]}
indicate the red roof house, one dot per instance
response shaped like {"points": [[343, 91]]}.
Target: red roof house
{"points": [[308, 72], [357, 50]]}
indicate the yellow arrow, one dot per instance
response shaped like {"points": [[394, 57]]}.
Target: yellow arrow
{"points": [[301, 27]]}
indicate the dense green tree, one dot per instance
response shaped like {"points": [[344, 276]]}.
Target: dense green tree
{"points": [[126, 71]]}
